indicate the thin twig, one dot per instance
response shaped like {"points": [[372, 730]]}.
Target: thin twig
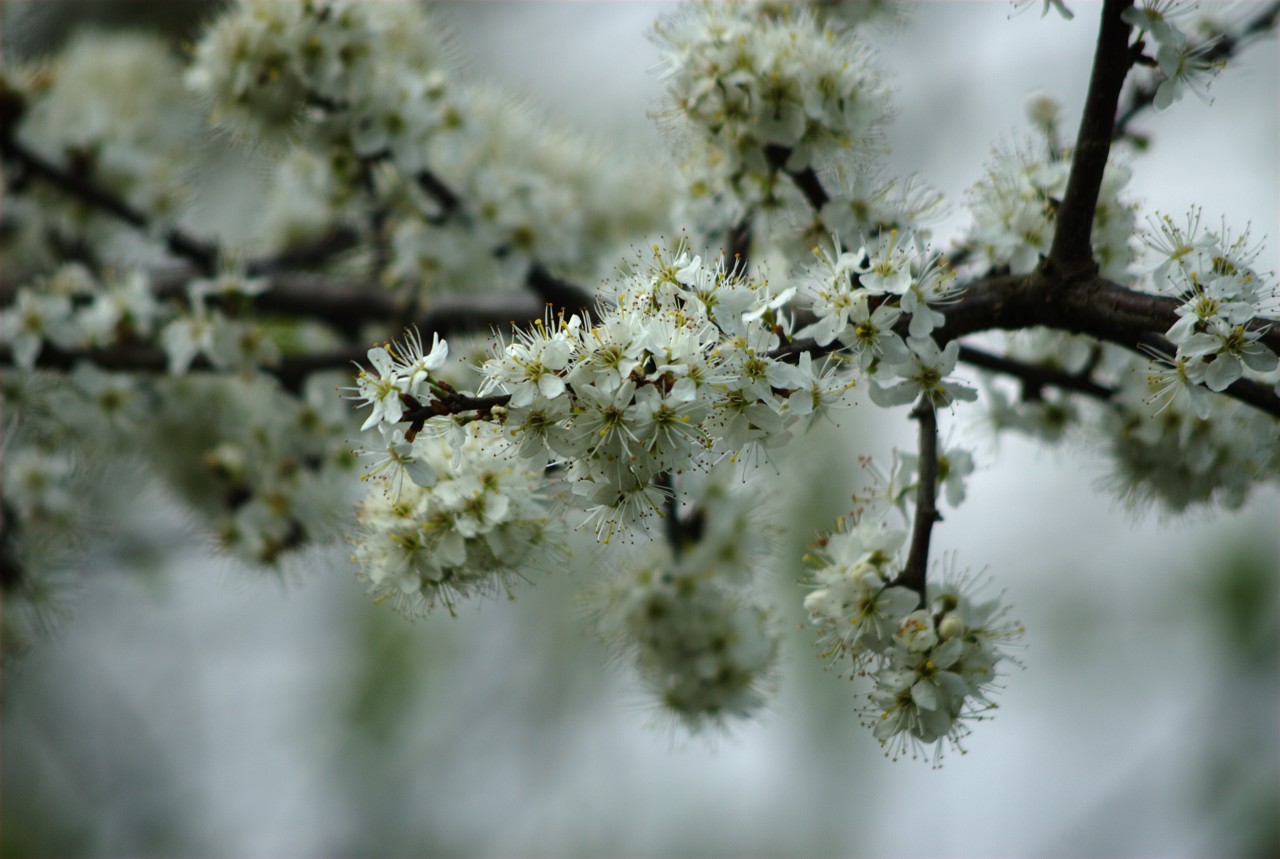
{"points": [[1033, 376], [915, 571]]}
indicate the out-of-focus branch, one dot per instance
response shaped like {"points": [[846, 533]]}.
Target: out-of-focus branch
{"points": [[739, 240], [1034, 376], [199, 252], [450, 315], [806, 180], [560, 295]]}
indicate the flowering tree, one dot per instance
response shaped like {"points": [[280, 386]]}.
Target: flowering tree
{"points": [[784, 276]]}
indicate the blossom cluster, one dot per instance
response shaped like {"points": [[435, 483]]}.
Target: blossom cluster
{"points": [[679, 370], [315, 69], [860, 297], [96, 108], [932, 657], [72, 309], [1217, 333], [1183, 66], [461, 182], [268, 470], [478, 523], [747, 79], [384, 168], [686, 614]]}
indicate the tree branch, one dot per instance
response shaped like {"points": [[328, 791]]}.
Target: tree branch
{"points": [[1035, 377], [449, 315], [739, 240], [1072, 246], [563, 296], [200, 253], [806, 180], [915, 572]]}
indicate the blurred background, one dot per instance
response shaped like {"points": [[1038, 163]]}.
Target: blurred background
{"points": [[186, 706]]}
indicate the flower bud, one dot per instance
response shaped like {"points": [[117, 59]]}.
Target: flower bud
{"points": [[950, 627]]}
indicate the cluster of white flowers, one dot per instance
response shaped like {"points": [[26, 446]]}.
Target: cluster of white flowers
{"points": [[1171, 438], [1179, 458], [466, 184], [269, 470], [1183, 66], [677, 372], [619, 418], [746, 78], [316, 69], [204, 330], [859, 299], [96, 109], [478, 522], [72, 309], [864, 203], [931, 657], [686, 615], [1015, 213], [1222, 298]]}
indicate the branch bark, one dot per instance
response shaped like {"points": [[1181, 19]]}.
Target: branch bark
{"points": [[915, 571], [1072, 249]]}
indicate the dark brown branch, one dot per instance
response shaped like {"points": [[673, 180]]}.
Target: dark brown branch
{"points": [[915, 571], [338, 240], [348, 305], [671, 526], [1072, 247], [739, 240], [432, 185], [806, 180], [453, 403], [449, 315], [562, 296], [1098, 308], [345, 304], [449, 202]]}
